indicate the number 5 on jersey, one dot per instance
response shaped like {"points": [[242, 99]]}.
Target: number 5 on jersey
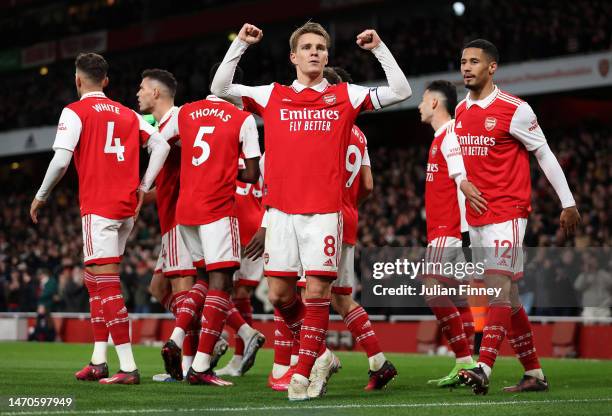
{"points": [[199, 142], [109, 147]]}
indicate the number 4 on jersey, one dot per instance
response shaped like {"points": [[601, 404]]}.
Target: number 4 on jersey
{"points": [[116, 148]]}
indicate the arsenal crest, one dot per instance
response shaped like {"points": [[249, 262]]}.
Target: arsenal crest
{"points": [[490, 123], [434, 149], [329, 99]]}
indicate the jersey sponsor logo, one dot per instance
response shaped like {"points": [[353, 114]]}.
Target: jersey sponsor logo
{"points": [[533, 125], [490, 123], [434, 149], [329, 99], [475, 145]]}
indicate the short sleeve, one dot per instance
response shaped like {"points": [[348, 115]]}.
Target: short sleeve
{"points": [[363, 98], [525, 128], [68, 130], [249, 137], [451, 150]]}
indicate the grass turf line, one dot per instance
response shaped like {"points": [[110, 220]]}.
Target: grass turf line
{"points": [[31, 369]]}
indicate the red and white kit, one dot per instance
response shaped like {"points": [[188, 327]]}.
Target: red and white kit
{"points": [[105, 137], [302, 125], [249, 211], [356, 157], [212, 132], [174, 257], [496, 133], [444, 204]]}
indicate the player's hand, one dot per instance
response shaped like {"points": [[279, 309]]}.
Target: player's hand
{"points": [[256, 246], [570, 218], [474, 196], [368, 39], [140, 195], [36, 205], [250, 34]]}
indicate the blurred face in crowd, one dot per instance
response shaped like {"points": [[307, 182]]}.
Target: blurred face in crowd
{"points": [[311, 55], [147, 93], [477, 68], [429, 102]]}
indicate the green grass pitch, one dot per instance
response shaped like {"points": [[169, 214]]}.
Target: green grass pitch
{"points": [[578, 387]]}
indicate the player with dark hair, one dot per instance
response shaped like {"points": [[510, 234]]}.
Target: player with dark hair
{"points": [[308, 126], [496, 132], [104, 137], [445, 216], [213, 135]]}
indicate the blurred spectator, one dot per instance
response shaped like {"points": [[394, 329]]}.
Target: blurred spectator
{"points": [[142, 296], [595, 285], [44, 329], [73, 296]]}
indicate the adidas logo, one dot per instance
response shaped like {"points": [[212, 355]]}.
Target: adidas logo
{"points": [[329, 263], [458, 126]]}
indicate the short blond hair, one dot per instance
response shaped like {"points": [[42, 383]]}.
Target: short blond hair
{"points": [[308, 27]]}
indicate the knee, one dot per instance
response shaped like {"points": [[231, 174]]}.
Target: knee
{"points": [[242, 292], [342, 304], [278, 299]]}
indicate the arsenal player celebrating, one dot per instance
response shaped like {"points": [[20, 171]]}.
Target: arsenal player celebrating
{"points": [[174, 265], [496, 131], [213, 132], [444, 213], [308, 126], [104, 137]]}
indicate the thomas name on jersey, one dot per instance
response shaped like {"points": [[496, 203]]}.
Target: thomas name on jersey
{"points": [[210, 112]]}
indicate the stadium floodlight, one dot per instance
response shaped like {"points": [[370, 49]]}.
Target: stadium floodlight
{"points": [[458, 8]]}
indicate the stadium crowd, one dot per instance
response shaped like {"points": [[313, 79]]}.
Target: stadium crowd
{"points": [[521, 30], [41, 265]]}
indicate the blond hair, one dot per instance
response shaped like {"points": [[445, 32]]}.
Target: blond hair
{"points": [[308, 27]]}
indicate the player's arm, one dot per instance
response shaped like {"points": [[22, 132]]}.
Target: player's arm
{"points": [[366, 181], [222, 85], [249, 138], [150, 196], [398, 89], [255, 248], [66, 139], [525, 128], [158, 149]]}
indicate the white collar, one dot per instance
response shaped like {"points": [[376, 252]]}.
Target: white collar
{"points": [[213, 97], [168, 114], [93, 94], [443, 127], [320, 87], [483, 102]]}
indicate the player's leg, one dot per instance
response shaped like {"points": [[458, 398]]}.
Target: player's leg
{"points": [[108, 244], [440, 251], [97, 367], [358, 322], [221, 248], [281, 373], [319, 237], [188, 312], [521, 334], [494, 243], [240, 318]]}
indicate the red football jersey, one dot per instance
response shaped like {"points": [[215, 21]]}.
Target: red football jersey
{"points": [[441, 200], [356, 157], [105, 137], [249, 209], [495, 135], [212, 132], [307, 132], [167, 182]]}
